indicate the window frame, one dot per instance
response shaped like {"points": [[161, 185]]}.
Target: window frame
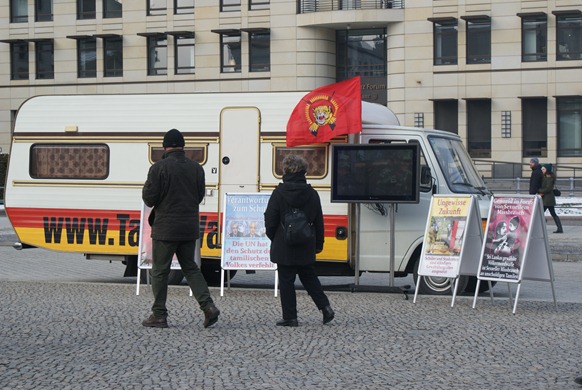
{"points": [[84, 49], [44, 71], [444, 119], [254, 48], [78, 164], [183, 9], [237, 66], [536, 23], [179, 42], [19, 67], [444, 28], [562, 103], [15, 15], [534, 127], [563, 18], [230, 5], [88, 14], [112, 71], [110, 11], [39, 14], [257, 5], [153, 11], [153, 46], [477, 29], [478, 128]]}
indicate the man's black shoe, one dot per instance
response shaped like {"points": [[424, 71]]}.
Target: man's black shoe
{"points": [[559, 231], [328, 314], [211, 315], [153, 322], [292, 323], [578, 380]]}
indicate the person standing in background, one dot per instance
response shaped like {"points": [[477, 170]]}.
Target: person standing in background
{"points": [[548, 197], [291, 261], [536, 178], [175, 187]]}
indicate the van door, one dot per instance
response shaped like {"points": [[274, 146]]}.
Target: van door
{"points": [[239, 151]]}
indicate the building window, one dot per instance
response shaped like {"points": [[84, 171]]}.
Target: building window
{"points": [[230, 53], [184, 46], [534, 37], [156, 7], [69, 161], [43, 10], [479, 128], [569, 110], [19, 60], [195, 153], [445, 33], [534, 127], [568, 35], [446, 115], [157, 55], [229, 5], [18, 11], [478, 39], [112, 8], [183, 7], [363, 53], [255, 5], [87, 57], [45, 59], [260, 51], [112, 57], [86, 9]]}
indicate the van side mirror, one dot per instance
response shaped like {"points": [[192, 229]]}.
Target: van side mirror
{"points": [[425, 178]]}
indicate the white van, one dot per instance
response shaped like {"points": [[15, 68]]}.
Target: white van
{"points": [[78, 163]]}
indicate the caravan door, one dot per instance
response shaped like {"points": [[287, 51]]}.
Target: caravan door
{"points": [[239, 151]]}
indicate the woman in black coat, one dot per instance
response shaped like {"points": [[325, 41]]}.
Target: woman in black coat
{"points": [[548, 197], [291, 261]]}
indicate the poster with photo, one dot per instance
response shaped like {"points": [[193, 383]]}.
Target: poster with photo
{"points": [[145, 255], [244, 242], [506, 237], [445, 231]]}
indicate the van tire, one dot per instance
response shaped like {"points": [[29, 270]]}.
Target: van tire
{"points": [[212, 274], [430, 285], [483, 286], [174, 278]]}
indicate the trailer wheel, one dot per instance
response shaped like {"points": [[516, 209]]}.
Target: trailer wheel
{"points": [[174, 278], [483, 286], [431, 285], [212, 274]]}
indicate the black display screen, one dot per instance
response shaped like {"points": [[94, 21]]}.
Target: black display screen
{"points": [[375, 173]]}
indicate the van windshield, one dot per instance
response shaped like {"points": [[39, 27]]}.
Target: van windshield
{"points": [[457, 166]]}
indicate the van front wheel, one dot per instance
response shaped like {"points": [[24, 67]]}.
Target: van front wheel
{"points": [[432, 285]]}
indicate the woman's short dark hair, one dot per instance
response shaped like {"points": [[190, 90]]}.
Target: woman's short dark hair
{"points": [[293, 164]]}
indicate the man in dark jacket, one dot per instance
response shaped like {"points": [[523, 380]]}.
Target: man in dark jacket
{"points": [[291, 261], [175, 187], [536, 178]]}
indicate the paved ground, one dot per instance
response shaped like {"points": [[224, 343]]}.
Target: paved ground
{"points": [[68, 323]]}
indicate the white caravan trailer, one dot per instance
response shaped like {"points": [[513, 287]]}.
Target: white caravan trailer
{"points": [[78, 163]]}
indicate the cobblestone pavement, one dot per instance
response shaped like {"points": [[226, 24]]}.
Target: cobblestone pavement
{"points": [[61, 333]]}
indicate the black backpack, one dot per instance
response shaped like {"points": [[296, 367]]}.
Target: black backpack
{"points": [[296, 228]]}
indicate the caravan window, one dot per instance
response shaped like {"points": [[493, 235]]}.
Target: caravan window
{"points": [[316, 157], [69, 161], [196, 153]]}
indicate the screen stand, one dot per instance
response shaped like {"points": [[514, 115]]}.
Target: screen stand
{"points": [[390, 288]]}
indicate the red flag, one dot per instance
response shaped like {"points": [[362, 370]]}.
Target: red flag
{"points": [[326, 112]]}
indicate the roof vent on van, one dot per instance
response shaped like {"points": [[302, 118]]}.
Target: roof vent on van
{"points": [[377, 114]]}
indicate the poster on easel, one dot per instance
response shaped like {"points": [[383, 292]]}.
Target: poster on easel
{"points": [[145, 253], [245, 245], [452, 238], [516, 244]]}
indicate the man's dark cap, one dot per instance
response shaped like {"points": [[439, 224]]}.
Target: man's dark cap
{"points": [[173, 139]]}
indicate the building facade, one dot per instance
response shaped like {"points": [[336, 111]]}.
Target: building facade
{"points": [[504, 75]]}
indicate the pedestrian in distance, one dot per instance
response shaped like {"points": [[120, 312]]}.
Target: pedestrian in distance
{"points": [[536, 178], [293, 260], [175, 187], [548, 197]]}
